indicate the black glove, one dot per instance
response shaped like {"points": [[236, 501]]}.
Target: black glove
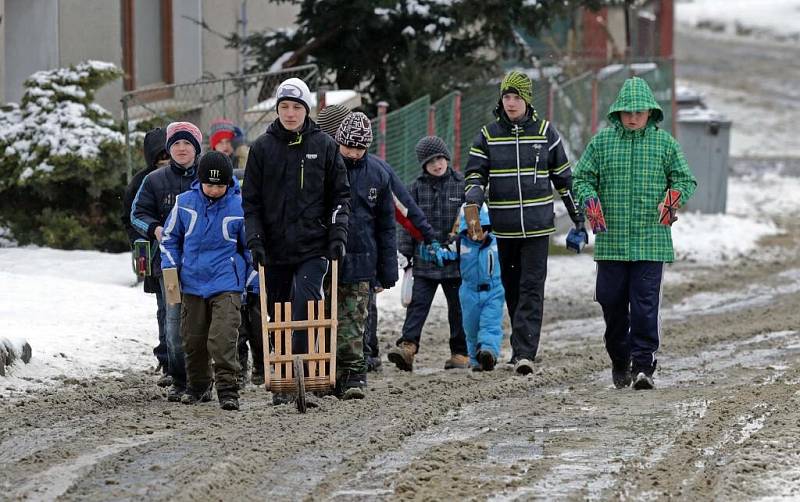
{"points": [[336, 250], [475, 195], [258, 256]]}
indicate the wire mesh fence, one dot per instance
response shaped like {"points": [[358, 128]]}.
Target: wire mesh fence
{"points": [[246, 100]]}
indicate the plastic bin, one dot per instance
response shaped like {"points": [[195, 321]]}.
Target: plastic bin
{"points": [[704, 136]]}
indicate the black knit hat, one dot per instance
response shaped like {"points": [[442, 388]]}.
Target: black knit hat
{"points": [[430, 147], [330, 117], [215, 169]]}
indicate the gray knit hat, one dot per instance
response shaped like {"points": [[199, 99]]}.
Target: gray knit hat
{"points": [[330, 117], [355, 131], [430, 147]]}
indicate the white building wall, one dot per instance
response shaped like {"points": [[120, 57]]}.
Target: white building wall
{"points": [[30, 42], [187, 40]]}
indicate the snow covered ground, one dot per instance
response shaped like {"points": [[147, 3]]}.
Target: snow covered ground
{"points": [[83, 316]]}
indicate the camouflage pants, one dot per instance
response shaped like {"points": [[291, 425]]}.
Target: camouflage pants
{"points": [[352, 304]]}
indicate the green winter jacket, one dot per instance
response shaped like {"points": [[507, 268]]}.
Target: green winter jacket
{"points": [[630, 172]]}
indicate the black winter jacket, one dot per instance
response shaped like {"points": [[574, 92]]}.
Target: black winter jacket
{"points": [[371, 246], [155, 198], [295, 195], [440, 199], [154, 143], [519, 161]]}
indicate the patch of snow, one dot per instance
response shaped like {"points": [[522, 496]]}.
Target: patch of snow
{"points": [[409, 31], [774, 19]]}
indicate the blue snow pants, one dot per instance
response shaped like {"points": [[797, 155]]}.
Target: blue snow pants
{"points": [[482, 315]]}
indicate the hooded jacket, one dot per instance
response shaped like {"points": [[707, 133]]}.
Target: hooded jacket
{"points": [[296, 196], [371, 244], [519, 161], [630, 172], [154, 143], [440, 198], [205, 241]]}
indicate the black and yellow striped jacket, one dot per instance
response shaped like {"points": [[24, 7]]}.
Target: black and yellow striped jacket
{"points": [[519, 161]]}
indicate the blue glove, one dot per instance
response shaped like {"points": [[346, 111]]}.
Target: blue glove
{"points": [[577, 238]]}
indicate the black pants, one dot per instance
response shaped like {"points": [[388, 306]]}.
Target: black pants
{"points": [[297, 284], [421, 299], [371, 328], [523, 266], [630, 294], [250, 333]]}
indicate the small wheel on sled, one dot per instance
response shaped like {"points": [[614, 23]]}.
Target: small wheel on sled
{"points": [[300, 384]]}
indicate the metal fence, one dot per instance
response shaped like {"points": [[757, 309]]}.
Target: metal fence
{"points": [[243, 99]]}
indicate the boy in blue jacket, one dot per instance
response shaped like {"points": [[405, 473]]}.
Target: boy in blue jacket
{"points": [[481, 293], [204, 239]]}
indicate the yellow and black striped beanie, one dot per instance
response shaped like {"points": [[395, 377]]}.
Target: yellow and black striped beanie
{"points": [[519, 83]]}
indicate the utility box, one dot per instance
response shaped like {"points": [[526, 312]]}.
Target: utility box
{"points": [[704, 136]]}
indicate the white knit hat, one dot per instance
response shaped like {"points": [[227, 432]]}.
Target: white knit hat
{"points": [[294, 89]]}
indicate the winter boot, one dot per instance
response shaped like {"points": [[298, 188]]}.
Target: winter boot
{"points": [[351, 386], [175, 392], [257, 378], [403, 355], [643, 382], [621, 375], [279, 398], [456, 361], [193, 396], [523, 366], [164, 380], [374, 363], [486, 360], [229, 403]]}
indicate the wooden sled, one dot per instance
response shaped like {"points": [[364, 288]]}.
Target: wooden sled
{"points": [[298, 373]]}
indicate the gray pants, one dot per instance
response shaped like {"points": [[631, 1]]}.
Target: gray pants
{"points": [[210, 330]]}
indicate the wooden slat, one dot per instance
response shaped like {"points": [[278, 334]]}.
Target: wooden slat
{"points": [[321, 334], [300, 324], [287, 339], [322, 356], [278, 309], [262, 290], [311, 335], [334, 314]]}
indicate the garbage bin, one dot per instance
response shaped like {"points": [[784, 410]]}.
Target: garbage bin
{"points": [[704, 136]]}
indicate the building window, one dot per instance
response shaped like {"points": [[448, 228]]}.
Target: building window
{"points": [[147, 43]]}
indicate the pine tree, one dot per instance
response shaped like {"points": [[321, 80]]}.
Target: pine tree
{"points": [[397, 50]]}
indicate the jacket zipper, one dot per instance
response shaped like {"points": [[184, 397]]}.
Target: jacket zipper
{"points": [[519, 184], [536, 166], [302, 172]]}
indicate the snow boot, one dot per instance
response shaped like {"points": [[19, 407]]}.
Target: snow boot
{"points": [[523, 366], [456, 361], [374, 363], [643, 382], [175, 392], [403, 355], [193, 396], [351, 386], [279, 398], [229, 403], [621, 375], [164, 380], [257, 378], [486, 360]]}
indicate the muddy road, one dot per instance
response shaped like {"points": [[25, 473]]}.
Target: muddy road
{"points": [[723, 423]]}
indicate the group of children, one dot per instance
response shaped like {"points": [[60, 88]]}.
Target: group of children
{"points": [[193, 210]]}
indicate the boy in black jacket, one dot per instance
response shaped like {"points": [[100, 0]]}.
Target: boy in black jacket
{"points": [[439, 191], [155, 156]]}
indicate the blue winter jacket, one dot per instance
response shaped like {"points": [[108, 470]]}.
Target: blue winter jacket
{"points": [[206, 241], [479, 262], [371, 244]]}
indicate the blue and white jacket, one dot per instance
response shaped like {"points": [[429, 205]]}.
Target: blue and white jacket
{"points": [[205, 241], [479, 262]]}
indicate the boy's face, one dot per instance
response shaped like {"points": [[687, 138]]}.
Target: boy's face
{"points": [[514, 106], [348, 152], [634, 120], [224, 146], [214, 191], [291, 114], [182, 152], [436, 167]]}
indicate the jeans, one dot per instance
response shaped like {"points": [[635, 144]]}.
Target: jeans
{"points": [[421, 299], [172, 325], [160, 351]]}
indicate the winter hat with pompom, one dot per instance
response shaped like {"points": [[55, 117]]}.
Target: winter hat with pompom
{"points": [[187, 131], [355, 131], [429, 148]]}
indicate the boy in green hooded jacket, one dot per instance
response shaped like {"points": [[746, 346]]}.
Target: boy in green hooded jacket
{"points": [[624, 177]]}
